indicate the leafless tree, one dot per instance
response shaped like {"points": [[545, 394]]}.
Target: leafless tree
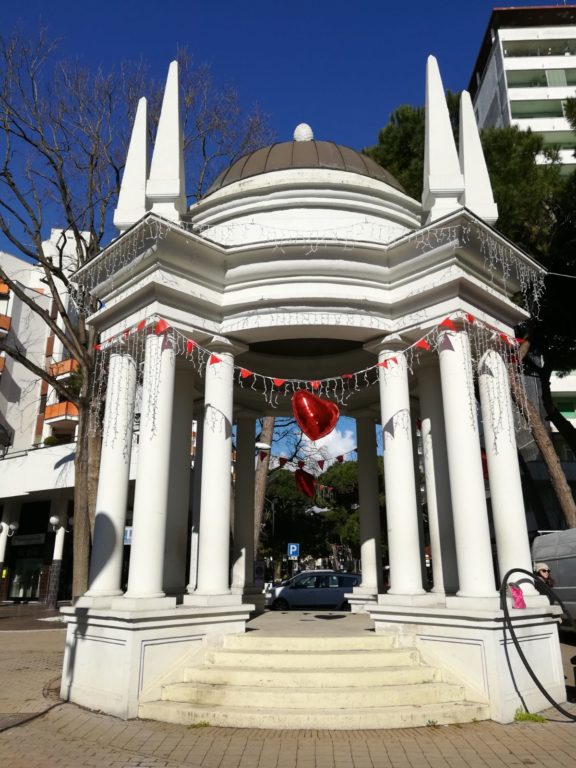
{"points": [[63, 140]]}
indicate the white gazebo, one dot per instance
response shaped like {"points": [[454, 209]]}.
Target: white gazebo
{"points": [[306, 266]]}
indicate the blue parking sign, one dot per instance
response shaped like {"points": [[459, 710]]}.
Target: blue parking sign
{"points": [[294, 550]]}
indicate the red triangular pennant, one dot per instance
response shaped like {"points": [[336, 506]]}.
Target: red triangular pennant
{"points": [[213, 360], [321, 463], [383, 364], [422, 344], [126, 333], [347, 375], [340, 459], [447, 323], [278, 382], [301, 465], [282, 461], [190, 345], [161, 326], [518, 340], [245, 373], [315, 384], [470, 318], [263, 455], [141, 325], [506, 339], [98, 347]]}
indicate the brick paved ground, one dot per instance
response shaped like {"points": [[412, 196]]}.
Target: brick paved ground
{"points": [[37, 731]]}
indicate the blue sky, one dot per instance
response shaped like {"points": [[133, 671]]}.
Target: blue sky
{"points": [[340, 66]]}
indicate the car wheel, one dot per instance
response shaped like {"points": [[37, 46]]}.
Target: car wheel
{"points": [[280, 604], [345, 606]]}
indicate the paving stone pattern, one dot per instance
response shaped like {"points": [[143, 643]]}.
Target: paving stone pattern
{"points": [[38, 731]]}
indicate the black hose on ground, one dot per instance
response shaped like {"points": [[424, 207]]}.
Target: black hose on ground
{"points": [[553, 597]]}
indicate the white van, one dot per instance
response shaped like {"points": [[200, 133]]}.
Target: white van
{"points": [[558, 550]]}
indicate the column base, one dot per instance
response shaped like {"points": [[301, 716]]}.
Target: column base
{"points": [[203, 601], [474, 603], [426, 598], [143, 603], [96, 600], [251, 594], [362, 599]]}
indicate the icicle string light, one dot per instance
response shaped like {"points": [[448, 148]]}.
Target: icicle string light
{"points": [[482, 336]]}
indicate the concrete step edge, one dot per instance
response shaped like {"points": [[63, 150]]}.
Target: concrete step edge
{"points": [[397, 716]]}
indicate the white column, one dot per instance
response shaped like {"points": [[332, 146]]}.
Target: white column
{"points": [[151, 496], [196, 495], [439, 504], [401, 509], [508, 511], [243, 561], [369, 511], [112, 497], [175, 576], [472, 534], [213, 581]]}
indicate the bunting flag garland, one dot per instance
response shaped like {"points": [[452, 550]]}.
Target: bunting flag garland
{"points": [[263, 455], [161, 326], [282, 461], [448, 323], [336, 389]]}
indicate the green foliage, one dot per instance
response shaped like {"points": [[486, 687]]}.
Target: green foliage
{"points": [[331, 519], [570, 112], [521, 717], [400, 147], [524, 190]]}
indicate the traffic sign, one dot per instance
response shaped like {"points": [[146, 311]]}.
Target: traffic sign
{"points": [[293, 551]]}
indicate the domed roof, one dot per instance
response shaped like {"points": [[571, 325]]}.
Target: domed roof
{"points": [[289, 155]]}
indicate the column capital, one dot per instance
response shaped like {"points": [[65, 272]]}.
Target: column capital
{"points": [[222, 345], [393, 343]]}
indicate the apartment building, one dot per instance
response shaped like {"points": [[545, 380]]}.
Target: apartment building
{"points": [[37, 433], [525, 72]]}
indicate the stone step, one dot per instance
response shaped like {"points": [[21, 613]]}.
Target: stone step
{"points": [[365, 677], [304, 659], [402, 716], [313, 698], [256, 642]]}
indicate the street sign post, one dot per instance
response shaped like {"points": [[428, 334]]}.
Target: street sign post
{"points": [[293, 551]]}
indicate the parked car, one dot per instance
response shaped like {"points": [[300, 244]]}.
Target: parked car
{"points": [[313, 589]]}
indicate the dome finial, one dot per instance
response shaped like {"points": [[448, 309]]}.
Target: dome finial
{"points": [[303, 132]]}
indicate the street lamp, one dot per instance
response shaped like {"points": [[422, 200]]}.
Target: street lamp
{"points": [[9, 528]]}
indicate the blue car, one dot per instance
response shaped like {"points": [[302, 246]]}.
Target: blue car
{"points": [[313, 589]]}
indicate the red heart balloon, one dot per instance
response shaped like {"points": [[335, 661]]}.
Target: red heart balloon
{"points": [[305, 482], [315, 417]]}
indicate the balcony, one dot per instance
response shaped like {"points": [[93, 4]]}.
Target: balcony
{"points": [[5, 323], [61, 414], [63, 369]]}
